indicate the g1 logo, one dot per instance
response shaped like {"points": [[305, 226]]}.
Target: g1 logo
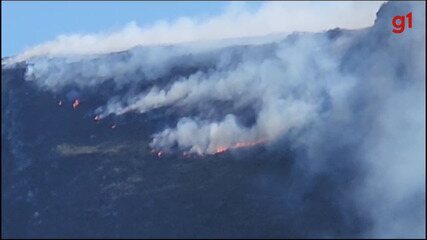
{"points": [[399, 23]]}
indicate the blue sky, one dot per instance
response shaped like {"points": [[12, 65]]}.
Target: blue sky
{"points": [[25, 24], [32, 29]]}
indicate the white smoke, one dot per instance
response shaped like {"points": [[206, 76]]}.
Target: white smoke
{"points": [[265, 83], [286, 99], [235, 22], [364, 89]]}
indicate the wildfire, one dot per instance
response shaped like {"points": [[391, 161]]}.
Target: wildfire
{"points": [[59, 103], [76, 103], [158, 153], [186, 154], [218, 150], [222, 149]]}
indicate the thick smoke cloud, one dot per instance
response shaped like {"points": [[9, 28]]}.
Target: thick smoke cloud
{"points": [[266, 76], [236, 21], [263, 83], [362, 90]]}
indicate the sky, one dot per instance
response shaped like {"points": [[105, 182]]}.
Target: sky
{"points": [[318, 96], [40, 28], [28, 23]]}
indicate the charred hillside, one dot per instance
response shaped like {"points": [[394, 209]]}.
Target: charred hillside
{"points": [[292, 138]]}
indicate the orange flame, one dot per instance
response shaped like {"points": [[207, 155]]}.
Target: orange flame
{"points": [[158, 153], [218, 150], [76, 103], [222, 149]]}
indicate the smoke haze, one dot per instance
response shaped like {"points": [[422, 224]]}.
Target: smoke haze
{"points": [[334, 97], [236, 21]]}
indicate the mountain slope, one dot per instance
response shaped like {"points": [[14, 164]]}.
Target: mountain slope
{"points": [[332, 127]]}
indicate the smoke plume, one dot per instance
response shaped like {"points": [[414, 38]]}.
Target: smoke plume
{"points": [[362, 90], [236, 21]]}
